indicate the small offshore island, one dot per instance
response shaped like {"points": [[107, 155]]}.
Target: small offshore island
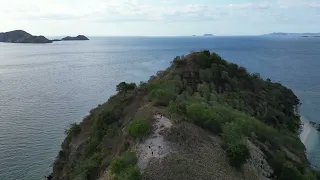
{"points": [[78, 38], [20, 36], [201, 118]]}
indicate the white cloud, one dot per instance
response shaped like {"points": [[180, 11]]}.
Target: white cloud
{"points": [[96, 13], [134, 10]]}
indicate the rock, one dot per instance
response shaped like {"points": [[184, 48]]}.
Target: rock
{"points": [[79, 37], [20, 36]]}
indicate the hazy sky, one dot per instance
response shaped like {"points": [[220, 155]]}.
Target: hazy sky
{"points": [[159, 17]]}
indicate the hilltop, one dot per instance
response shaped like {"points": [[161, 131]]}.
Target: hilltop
{"points": [[201, 118]]}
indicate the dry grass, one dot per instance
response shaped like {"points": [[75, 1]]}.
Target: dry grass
{"points": [[198, 156]]}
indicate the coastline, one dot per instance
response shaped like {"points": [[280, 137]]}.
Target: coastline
{"points": [[309, 136]]}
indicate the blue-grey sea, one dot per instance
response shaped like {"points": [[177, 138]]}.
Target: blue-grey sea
{"points": [[45, 87]]}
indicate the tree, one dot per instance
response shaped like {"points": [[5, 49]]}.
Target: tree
{"points": [[206, 75], [124, 87]]}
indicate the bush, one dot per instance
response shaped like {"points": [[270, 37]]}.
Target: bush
{"points": [[129, 157], [231, 133], [161, 97], [117, 165], [132, 173], [204, 117], [290, 172], [138, 127], [196, 112], [124, 167], [121, 163], [73, 130], [238, 154], [87, 168], [177, 107]]}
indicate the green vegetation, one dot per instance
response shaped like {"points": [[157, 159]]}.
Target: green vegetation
{"points": [[138, 127], [227, 100], [201, 88], [73, 130], [124, 167], [103, 138], [124, 87], [238, 154]]}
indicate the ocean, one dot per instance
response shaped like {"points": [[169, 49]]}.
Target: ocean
{"points": [[45, 87]]}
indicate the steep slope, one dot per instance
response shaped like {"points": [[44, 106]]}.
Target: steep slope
{"points": [[202, 118]]}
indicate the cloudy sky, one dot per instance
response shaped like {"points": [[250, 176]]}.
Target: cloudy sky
{"points": [[159, 17]]}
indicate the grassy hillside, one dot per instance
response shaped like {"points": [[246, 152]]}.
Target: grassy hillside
{"points": [[227, 124]]}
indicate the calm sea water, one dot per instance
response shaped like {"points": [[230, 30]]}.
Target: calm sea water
{"points": [[43, 88]]}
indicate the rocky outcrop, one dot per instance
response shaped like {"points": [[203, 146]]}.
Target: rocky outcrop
{"points": [[20, 36], [78, 38]]}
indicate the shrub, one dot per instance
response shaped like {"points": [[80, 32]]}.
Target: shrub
{"points": [[231, 132], [195, 111], [290, 172], [73, 130], [87, 168], [132, 173], [153, 86], [117, 165], [138, 127], [129, 157], [161, 97], [238, 154], [204, 117], [177, 107], [121, 163], [124, 167]]}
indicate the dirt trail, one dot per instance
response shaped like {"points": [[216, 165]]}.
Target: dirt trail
{"points": [[154, 146]]}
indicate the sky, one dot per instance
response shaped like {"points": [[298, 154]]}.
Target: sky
{"points": [[159, 17]]}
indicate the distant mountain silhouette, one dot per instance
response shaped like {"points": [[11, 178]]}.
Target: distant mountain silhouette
{"points": [[208, 35], [20, 36], [291, 34]]}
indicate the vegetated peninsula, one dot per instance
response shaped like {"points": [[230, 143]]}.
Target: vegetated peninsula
{"points": [[201, 118], [79, 37], [20, 36]]}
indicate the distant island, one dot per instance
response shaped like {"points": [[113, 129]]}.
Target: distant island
{"points": [[77, 38], [293, 34], [21, 36], [208, 35]]}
